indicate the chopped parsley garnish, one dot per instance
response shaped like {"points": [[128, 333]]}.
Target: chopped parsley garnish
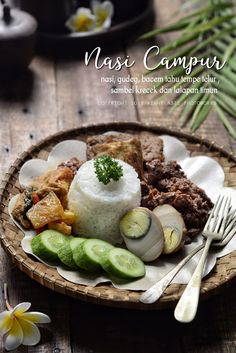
{"points": [[106, 168]]}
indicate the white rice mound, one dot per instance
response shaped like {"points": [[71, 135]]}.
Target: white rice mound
{"points": [[98, 207]]}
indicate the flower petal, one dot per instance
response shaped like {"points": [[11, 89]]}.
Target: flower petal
{"points": [[6, 321], [107, 23], [31, 333], [106, 6], [109, 7], [84, 11], [21, 308], [95, 5], [36, 317], [103, 12], [14, 337], [82, 21]]}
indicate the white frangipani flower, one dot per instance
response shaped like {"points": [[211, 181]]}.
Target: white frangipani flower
{"points": [[17, 326], [103, 12], [82, 21]]}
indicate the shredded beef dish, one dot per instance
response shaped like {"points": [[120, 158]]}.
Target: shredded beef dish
{"points": [[166, 183]]}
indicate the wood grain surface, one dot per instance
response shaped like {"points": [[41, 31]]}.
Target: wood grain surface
{"points": [[60, 94]]}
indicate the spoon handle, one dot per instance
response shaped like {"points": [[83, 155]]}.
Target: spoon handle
{"points": [[186, 308], [155, 292]]}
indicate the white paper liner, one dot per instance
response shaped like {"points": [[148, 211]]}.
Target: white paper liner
{"points": [[203, 171], [31, 170], [66, 150], [63, 151], [174, 149]]}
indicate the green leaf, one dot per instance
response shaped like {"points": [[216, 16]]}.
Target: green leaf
{"points": [[224, 84], [181, 53], [231, 48], [194, 73], [212, 39], [178, 42], [227, 24], [203, 113], [228, 101], [210, 8], [219, 44], [210, 24], [189, 107], [230, 62], [223, 44], [228, 38], [223, 88], [174, 27], [225, 106], [225, 121], [199, 113], [192, 24], [183, 23], [175, 71], [186, 95], [188, 4], [229, 74]]}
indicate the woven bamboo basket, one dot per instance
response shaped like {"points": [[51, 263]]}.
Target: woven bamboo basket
{"points": [[11, 236]]}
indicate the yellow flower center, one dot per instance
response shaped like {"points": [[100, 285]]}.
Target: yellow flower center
{"points": [[82, 23], [101, 16]]}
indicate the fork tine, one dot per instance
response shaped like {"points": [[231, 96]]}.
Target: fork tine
{"points": [[230, 222], [230, 229], [210, 226], [218, 211], [212, 213], [222, 219], [232, 214], [218, 214], [230, 234]]}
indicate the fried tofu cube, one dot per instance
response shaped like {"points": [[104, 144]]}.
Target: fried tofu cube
{"points": [[48, 210]]}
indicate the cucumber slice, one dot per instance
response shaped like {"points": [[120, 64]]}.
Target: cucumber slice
{"points": [[65, 255], [47, 244], [122, 263], [76, 242], [65, 252], [89, 254]]}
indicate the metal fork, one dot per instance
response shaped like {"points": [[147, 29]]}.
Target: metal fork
{"points": [[155, 292], [186, 308]]}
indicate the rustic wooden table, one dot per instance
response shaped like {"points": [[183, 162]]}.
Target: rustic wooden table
{"points": [[57, 95]]}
